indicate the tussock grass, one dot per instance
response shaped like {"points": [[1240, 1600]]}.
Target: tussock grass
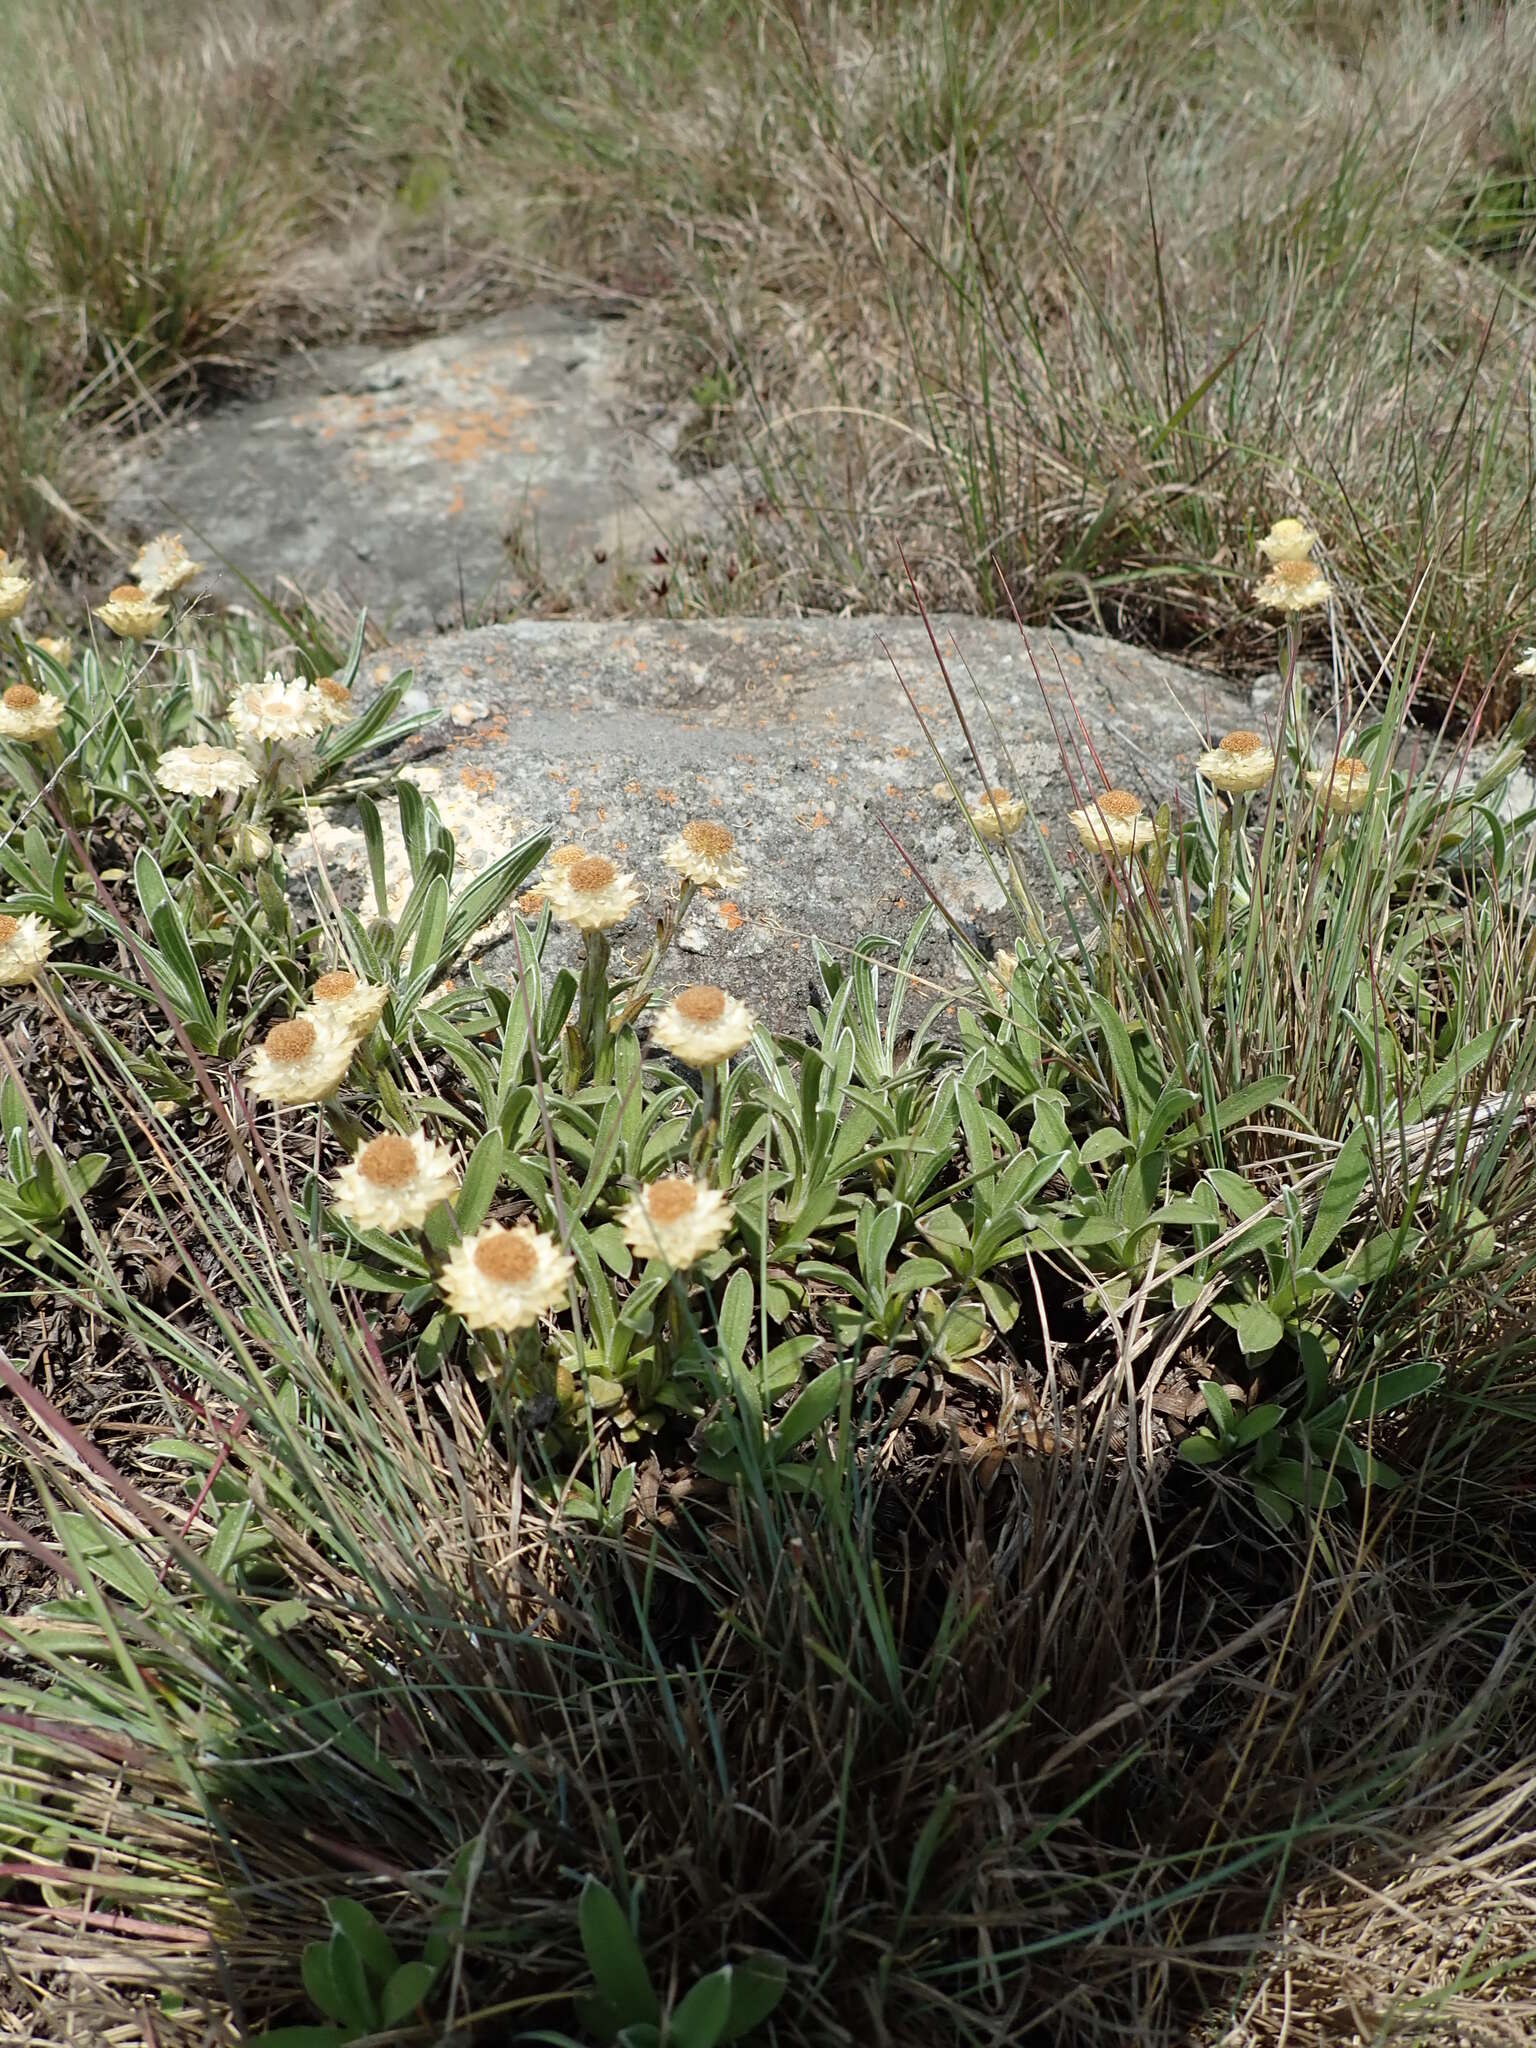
{"points": [[1070, 298]]}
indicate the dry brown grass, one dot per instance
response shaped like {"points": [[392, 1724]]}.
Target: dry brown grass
{"points": [[1092, 290]]}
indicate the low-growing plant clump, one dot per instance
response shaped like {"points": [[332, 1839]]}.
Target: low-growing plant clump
{"points": [[540, 1508]]}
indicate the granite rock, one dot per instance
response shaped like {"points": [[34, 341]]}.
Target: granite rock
{"points": [[800, 737], [432, 481]]}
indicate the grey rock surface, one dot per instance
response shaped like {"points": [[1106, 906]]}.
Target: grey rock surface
{"points": [[800, 738], [428, 481]]}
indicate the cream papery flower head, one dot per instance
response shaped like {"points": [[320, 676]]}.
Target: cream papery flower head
{"points": [[680, 1219], [591, 894], [505, 1279], [1526, 665], [997, 815], [1242, 762], [56, 650], [702, 1025], [1294, 584], [130, 613], [15, 589], [1344, 787], [163, 565], [277, 711], [1288, 540], [25, 943], [28, 714], [204, 771], [999, 976], [1112, 822], [704, 853], [335, 701], [344, 1003], [395, 1182], [303, 1060]]}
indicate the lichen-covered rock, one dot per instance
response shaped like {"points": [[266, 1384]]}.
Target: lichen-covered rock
{"points": [[800, 739]]}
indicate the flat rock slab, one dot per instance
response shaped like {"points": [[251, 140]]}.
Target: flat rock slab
{"points": [[430, 481], [799, 738]]}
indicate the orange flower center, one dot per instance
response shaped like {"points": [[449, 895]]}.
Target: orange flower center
{"points": [[701, 1004], [531, 902], [591, 875], [1242, 743], [1349, 766], [669, 1201], [567, 856], [128, 593], [997, 796], [1297, 574], [21, 697], [332, 691], [507, 1256], [388, 1162], [330, 988], [9, 927], [294, 1040], [1117, 803], [710, 840]]}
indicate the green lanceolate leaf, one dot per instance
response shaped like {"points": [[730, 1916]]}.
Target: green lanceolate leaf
{"points": [[614, 1958]]}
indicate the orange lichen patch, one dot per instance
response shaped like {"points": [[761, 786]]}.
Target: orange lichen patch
{"points": [[817, 822], [21, 697], [669, 798], [701, 1004], [294, 1040], [388, 1162], [330, 988], [729, 916], [591, 874], [901, 753], [1116, 803], [1242, 743], [700, 835], [507, 1256], [478, 781], [574, 805], [668, 1201]]}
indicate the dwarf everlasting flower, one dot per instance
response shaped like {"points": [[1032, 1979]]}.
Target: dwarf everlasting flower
{"points": [[56, 650], [1242, 762], [335, 700], [1287, 541], [591, 894], [680, 1219], [1112, 822], [301, 1061], [395, 1182], [1294, 584], [996, 814], [705, 854], [1344, 787], [505, 1279], [25, 943], [999, 976], [344, 1003], [204, 771], [130, 613], [28, 714], [1526, 665], [163, 565], [702, 1025], [277, 712], [14, 590]]}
